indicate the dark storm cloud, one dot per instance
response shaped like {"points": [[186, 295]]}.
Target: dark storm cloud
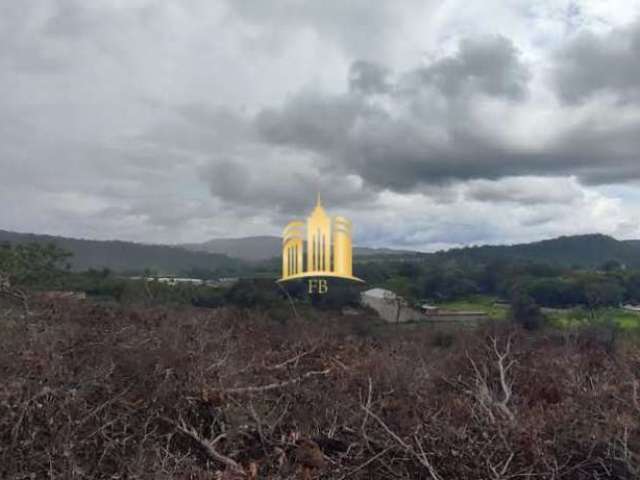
{"points": [[592, 64], [398, 153], [600, 153], [312, 121], [280, 189], [429, 133]]}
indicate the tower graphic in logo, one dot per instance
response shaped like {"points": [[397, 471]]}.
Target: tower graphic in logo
{"points": [[319, 247]]}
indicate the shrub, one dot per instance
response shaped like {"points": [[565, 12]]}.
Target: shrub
{"points": [[138, 392], [526, 312]]}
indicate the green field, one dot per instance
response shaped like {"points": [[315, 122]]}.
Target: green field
{"points": [[478, 303], [567, 318], [578, 317]]}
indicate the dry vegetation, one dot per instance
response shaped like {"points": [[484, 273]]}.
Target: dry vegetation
{"points": [[89, 391]]}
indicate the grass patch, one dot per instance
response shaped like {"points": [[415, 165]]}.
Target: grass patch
{"points": [[577, 317], [478, 303]]}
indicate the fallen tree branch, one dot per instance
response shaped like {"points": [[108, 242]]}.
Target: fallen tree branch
{"points": [[207, 445], [276, 385], [292, 360]]}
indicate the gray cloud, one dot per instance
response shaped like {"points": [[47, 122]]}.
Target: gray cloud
{"points": [[312, 121], [355, 26], [427, 133], [160, 121], [400, 152], [368, 78], [525, 191], [286, 188], [490, 65], [592, 64]]}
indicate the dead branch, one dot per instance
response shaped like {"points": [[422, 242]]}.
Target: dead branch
{"points": [[207, 445], [289, 361], [276, 385], [368, 462], [421, 456], [16, 428], [259, 423], [506, 385], [367, 409], [499, 473], [484, 394], [102, 406]]}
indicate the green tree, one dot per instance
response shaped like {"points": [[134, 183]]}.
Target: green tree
{"points": [[32, 264], [526, 312], [611, 266], [28, 265], [248, 293], [632, 284], [554, 292], [603, 293]]}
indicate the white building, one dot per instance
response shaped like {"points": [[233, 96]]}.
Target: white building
{"points": [[632, 308], [389, 306]]}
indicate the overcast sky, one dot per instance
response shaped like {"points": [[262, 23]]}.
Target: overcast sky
{"points": [[428, 123]]}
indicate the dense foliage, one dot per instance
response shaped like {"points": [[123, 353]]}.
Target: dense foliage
{"points": [[441, 279], [583, 251], [32, 264], [430, 278]]}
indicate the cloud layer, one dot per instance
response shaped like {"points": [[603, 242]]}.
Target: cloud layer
{"points": [[153, 121]]}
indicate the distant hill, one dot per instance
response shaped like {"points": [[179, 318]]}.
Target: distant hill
{"points": [[248, 248], [265, 247], [233, 255], [581, 250], [128, 256]]}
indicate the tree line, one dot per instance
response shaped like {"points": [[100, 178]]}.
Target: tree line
{"points": [[431, 279], [446, 279]]}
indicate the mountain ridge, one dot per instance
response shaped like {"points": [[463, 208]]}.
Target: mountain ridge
{"points": [[119, 255], [587, 250], [127, 256], [591, 250], [265, 247]]}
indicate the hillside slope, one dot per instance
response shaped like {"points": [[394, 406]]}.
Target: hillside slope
{"points": [[232, 255], [265, 247], [581, 250], [128, 256], [251, 249]]}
